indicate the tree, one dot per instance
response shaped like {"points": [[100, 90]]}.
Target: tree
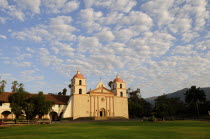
{"points": [[59, 93], [162, 106], [195, 96], [137, 106], [3, 82], [70, 86], [64, 91], [110, 83], [18, 101], [21, 85], [42, 106], [14, 87], [168, 107]]}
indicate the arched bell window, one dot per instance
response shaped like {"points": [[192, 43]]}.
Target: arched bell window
{"points": [[80, 91], [80, 82], [120, 85], [121, 94]]}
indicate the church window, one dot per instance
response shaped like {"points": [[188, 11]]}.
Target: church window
{"points": [[121, 94], [80, 91], [120, 85], [80, 82]]}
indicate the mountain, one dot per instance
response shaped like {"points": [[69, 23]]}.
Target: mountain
{"points": [[180, 94]]}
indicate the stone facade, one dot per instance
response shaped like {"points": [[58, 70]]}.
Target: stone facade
{"points": [[98, 103]]}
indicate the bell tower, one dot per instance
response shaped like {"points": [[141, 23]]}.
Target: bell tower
{"points": [[78, 84], [118, 86]]}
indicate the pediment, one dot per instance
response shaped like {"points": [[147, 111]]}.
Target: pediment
{"points": [[101, 90]]}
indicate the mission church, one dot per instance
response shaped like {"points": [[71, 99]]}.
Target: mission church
{"points": [[100, 103]]}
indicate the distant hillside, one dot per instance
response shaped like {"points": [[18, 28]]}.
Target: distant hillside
{"points": [[179, 94]]}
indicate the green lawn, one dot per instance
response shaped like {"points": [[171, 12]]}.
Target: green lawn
{"points": [[120, 130]]}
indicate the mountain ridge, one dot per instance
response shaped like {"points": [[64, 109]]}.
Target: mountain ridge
{"points": [[180, 94]]}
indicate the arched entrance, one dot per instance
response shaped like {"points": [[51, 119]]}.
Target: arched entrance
{"points": [[102, 112], [61, 115], [7, 115], [54, 116]]}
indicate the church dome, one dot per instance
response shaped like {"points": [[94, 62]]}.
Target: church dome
{"points": [[118, 79], [79, 75]]}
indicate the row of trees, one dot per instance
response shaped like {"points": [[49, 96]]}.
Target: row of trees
{"points": [[63, 92], [21, 101], [14, 85], [168, 108]]}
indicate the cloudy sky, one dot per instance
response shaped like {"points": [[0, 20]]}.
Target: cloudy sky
{"points": [[159, 46]]}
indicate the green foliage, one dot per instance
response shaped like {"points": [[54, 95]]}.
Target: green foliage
{"points": [[194, 96], [32, 105], [137, 106], [14, 87], [110, 83], [168, 107], [18, 101], [152, 118], [42, 106], [64, 91], [3, 82]]}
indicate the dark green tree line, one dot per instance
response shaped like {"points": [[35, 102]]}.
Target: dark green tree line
{"points": [[137, 106], [21, 101]]}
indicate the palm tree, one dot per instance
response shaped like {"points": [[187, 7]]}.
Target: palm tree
{"points": [[14, 87], [21, 87], [3, 82], [194, 96]]}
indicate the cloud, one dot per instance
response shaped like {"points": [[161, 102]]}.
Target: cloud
{"points": [[2, 20], [125, 34], [3, 37], [105, 36], [43, 51], [31, 5], [63, 49], [159, 46], [186, 50], [152, 44], [61, 6], [88, 44], [159, 10], [46, 59], [58, 28], [30, 75], [116, 5], [22, 64], [3, 3], [55, 50], [89, 19]]}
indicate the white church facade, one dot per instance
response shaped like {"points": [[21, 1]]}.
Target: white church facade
{"points": [[100, 103]]}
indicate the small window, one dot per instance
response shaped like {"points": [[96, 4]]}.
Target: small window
{"points": [[80, 91], [121, 94], [59, 106], [120, 85], [1, 103], [80, 82]]}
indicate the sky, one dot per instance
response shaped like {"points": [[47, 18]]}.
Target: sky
{"points": [[159, 46]]}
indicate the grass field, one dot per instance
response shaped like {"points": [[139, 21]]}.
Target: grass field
{"points": [[119, 130]]}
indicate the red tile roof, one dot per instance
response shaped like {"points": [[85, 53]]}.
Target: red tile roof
{"points": [[79, 76], [57, 99]]}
